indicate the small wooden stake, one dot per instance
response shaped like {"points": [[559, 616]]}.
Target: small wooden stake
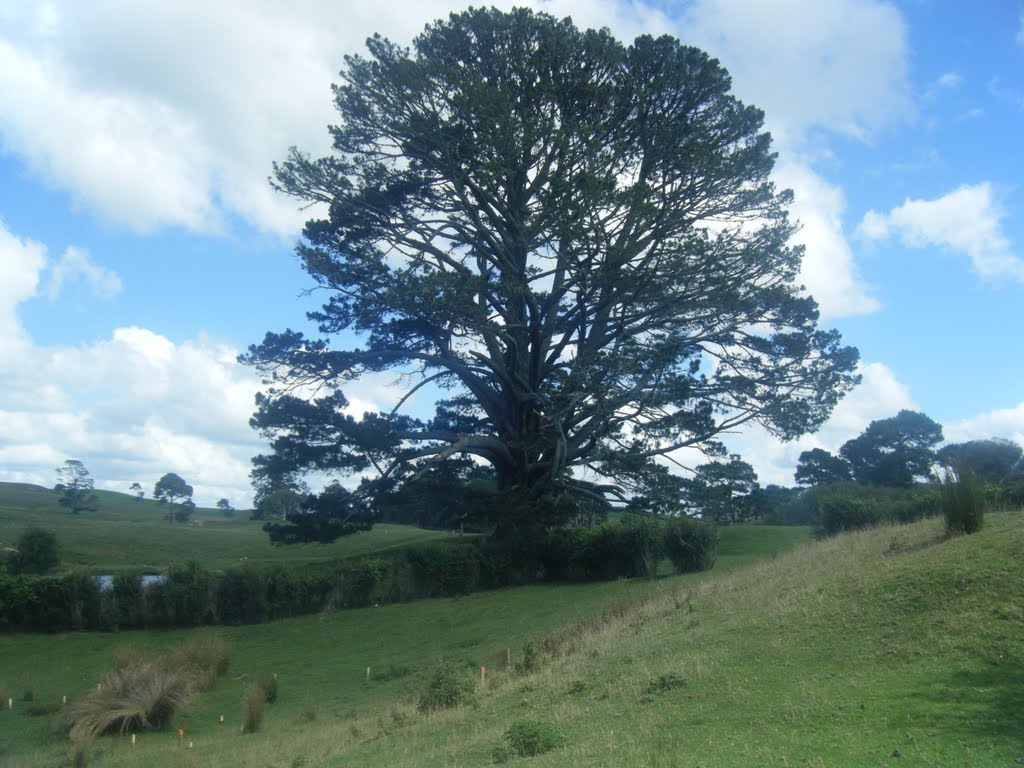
{"points": [[63, 699], [222, 718], [367, 674], [483, 679], [133, 741], [10, 703]]}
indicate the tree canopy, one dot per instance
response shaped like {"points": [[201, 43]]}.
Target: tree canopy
{"points": [[172, 490], [995, 460], [894, 451], [75, 486], [819, 467], [574, 242]]}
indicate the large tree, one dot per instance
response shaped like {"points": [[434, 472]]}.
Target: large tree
{"points": [[722, 490], [75, 486], [576, 242], [896, 451]]}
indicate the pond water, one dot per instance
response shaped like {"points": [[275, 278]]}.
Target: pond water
{"points": [[107, 582]]}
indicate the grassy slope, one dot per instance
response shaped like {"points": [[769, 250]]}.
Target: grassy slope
{"points": [[886, 647], [126, 533]]}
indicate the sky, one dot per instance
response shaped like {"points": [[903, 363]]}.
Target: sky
{"points": [[142, 249]]}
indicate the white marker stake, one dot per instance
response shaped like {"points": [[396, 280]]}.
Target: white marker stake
{"points": [[483, 680]]}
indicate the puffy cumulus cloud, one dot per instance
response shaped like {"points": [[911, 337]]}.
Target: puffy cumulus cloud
{"points": [[171, 114], [967, 220], [132, 407], [21, 262], [879, 396], [75, 265], [1007, 423], [828, 270], [841, 65]]}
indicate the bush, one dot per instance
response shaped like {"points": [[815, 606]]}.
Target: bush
{"points": [[268, 684], [446, 687], [526, 738], [691, 545], [963, 501], [36, 552]]}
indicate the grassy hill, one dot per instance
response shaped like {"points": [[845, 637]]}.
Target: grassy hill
{"points": [[891, 646], [127, 533]]}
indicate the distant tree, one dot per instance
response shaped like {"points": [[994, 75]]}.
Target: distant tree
{"points": [[36, 552], [280, 504], [172, 490], [770, 502], [721, 490], [819, 467], [183, 512], [894, 451], [993, 461], [225, 507], [75, 486], [137, 490]]}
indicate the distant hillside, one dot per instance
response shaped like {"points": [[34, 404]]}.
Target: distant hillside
{"points": [[128, 533]]}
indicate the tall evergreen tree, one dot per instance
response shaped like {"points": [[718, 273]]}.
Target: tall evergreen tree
{"points": [[575, 241]]}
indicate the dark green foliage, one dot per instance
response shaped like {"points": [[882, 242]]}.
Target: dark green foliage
{"points": [[894, 452], [624, 549], [991, 461], [447, 686], [849, 506], [720, 490], [173, 491], [691, 545], [35, 552], [75, 487], [819, 467], [516, 211], [268, 684], [963, 500], [527, 738], [530, 660]]}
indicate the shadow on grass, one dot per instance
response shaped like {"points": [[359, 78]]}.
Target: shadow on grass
{"points": [[985, 703]]}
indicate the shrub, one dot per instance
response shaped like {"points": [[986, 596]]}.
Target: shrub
{"points": [[268, 684], [963, 501], [530, 661], [254, 703], [691, 545], [36, 552], [446, 687], [526, 738], [208, 655]]}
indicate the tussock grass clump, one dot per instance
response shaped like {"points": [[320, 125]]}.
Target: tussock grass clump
{"points": [[963, 501], [141, 695], [268, 684], [81, 752], [254, 705], [142, 692]]}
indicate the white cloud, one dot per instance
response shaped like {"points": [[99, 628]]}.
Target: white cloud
{"points": [[75, 265], [1007, 423], [1020, 29], [828, 271], [967, 220], [132, 407], [949, 80], [841, 65]]}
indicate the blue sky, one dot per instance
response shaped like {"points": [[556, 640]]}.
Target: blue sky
{"points": [[141, 248]]}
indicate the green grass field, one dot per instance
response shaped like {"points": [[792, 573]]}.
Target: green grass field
{"points": [[126, 533], [891, 646]]}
